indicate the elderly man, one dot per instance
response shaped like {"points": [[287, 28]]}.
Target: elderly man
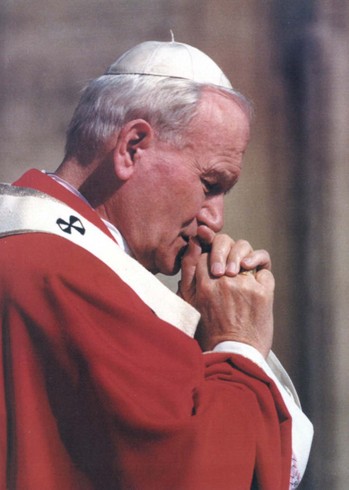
{"points": [[103, 385]]}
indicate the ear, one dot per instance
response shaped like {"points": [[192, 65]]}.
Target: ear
{"points": [[134, 137]]}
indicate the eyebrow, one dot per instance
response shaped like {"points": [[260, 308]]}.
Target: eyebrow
{"points": [[222, 181], [223, 176]]}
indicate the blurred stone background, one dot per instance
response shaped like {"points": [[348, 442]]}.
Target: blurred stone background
{"points": [[291, 57]]}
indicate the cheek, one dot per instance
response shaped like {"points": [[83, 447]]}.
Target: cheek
{"points": [[179, 198], [187, 204], [194, 198]]}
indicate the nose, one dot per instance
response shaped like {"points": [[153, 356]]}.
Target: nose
{"points": [[212, 213]]}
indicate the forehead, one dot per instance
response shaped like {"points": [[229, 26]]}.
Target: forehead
{"points": [[220, 128], [217, 107]]}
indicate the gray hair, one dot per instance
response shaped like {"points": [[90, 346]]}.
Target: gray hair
{"points": [[109, 102]]}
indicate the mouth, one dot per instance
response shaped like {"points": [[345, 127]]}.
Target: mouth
{"points": [[182, 251], [205, 247], [185, 238]]}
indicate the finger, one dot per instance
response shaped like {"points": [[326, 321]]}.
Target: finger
{"points": [[188, 266], [219, 255], [205, 236], [257, 259], [238, 253], [202, 271]]}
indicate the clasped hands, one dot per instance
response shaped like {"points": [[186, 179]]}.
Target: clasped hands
{"points": [[233, 305]]}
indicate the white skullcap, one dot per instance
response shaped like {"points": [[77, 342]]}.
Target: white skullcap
{"points": [[169, 59]]}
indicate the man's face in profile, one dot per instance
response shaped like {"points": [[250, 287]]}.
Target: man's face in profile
{"points": [[180, 191]]}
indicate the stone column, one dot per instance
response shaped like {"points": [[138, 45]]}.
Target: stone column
{"points": [[316, 69]]}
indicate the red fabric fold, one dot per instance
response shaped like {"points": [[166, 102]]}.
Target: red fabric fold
{"points": [[99, 393]]}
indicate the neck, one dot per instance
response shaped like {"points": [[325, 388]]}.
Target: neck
{"points": [[96, 182], [73, 172]]}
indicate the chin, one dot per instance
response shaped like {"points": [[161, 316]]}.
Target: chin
{"points": [[168, 264], [170, 268], [167, 271]]}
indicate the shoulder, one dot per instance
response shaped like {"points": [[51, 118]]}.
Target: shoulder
{"points": [[42, 264], [39, 268]]}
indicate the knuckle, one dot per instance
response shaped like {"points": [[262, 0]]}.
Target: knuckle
{"points": [[224, 236], [266, 277], [222, 240], [243, 243], [204, 287], [265, 253], [243, 247], [226, 282]]}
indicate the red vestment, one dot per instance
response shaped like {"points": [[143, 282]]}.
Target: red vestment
{"points": [[99, 393]]}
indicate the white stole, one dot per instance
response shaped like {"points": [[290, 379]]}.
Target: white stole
{"points": [[27, 211]]}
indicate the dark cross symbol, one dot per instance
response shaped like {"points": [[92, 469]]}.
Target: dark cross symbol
{"points": [[74, 222]]}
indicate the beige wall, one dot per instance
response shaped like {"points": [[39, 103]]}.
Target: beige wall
{"points": [[291, 58]]}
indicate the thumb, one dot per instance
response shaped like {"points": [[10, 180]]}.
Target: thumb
{"points": [[266, 279]]}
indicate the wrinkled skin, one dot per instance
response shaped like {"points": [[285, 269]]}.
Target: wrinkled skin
{"points": [[168, 204], [234, 306]]}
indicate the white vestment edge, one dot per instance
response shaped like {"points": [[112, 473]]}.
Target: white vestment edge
{"points": [[20, 213]]}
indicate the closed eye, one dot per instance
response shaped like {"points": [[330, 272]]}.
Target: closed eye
{"points": [[213, 188]]}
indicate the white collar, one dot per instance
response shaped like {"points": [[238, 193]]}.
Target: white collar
{"points": [[113, 230]]}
